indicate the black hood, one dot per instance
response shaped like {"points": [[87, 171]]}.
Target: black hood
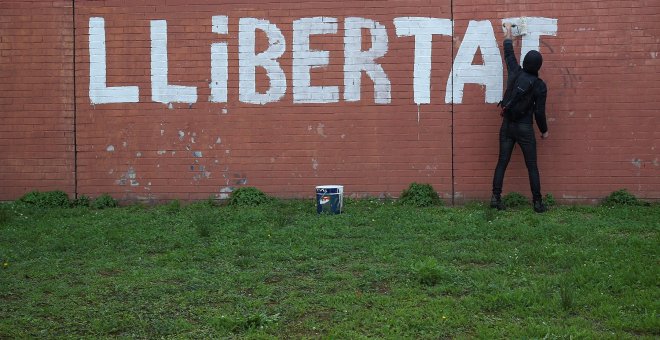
{"points": [[532, 62]]}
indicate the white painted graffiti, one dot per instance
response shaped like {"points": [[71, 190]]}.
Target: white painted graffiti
{"points": [[479, 36]]}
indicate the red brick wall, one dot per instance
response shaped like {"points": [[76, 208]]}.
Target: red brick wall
{"points": [[603, 76], [601, 68], [36, 97]]}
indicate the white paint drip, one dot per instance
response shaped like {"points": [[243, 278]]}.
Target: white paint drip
{"points": [[138, 154], [218, 141], [161, 152], [315, 164], [110, 148], [182, 135], [637, 163]]}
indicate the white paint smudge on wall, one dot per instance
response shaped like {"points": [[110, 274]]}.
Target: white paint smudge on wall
{"points": [[110, 148], [320, 130], [225, 193], [129, 177]]}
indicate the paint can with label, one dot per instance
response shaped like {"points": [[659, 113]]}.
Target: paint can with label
{"points": [[329, 199]]}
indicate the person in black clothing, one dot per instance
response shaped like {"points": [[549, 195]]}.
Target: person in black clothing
{"points": [[521, 131]]}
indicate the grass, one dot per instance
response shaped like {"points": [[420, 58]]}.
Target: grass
{"points": [[379, 270]]}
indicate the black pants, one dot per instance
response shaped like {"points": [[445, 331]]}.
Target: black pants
{"points": [[523, 134]]}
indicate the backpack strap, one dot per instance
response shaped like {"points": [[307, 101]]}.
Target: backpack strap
{"points": [[509, 87]]}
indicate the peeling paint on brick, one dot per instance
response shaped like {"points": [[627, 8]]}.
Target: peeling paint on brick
{"points": [[129, 177], [225, 192], [320, 130]]}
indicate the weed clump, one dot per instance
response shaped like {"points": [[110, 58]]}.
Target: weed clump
{"points": [[420, 195], [172, 207], [82, 201], [5, 215], [48, 199], [428, 271], [105, 201], [514, 199], [566, 297], [246, 322], [549, 200], [248, 197], [621, 197]]}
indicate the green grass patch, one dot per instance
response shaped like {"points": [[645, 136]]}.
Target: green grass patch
{"points": [[378, 270]]}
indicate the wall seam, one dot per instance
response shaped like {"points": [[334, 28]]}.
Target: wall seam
{"points": [[75, 104], [451, 74]]}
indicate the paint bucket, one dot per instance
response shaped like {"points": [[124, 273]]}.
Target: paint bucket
{"points": [[329, 199]]}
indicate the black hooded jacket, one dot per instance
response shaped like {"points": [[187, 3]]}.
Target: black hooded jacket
{"points": [[531, 64]]}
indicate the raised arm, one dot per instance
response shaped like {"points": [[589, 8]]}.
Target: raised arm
{"points": [[512, 65]]}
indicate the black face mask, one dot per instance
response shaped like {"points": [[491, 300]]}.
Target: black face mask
{"points": [[532, 62]]}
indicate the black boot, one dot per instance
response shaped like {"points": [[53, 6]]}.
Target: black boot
{"points": [[496, 202], [539, 207]]}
